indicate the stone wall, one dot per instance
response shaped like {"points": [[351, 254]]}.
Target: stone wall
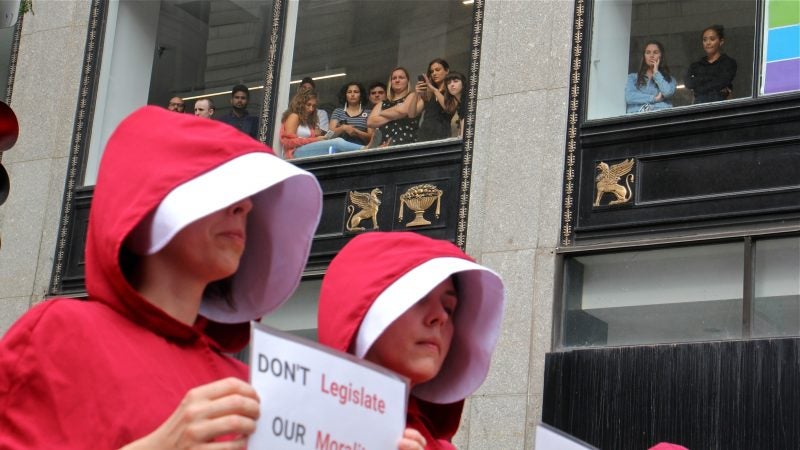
{"points": [[515, 205], [44, 99]]}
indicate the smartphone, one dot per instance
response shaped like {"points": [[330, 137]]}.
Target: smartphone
{"points": [[421, 78]]}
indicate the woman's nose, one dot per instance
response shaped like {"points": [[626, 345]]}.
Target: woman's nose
{"points": [[243, 206], [436, 314]]}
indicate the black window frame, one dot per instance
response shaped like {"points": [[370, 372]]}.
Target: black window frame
{"points": [[760, 121]]}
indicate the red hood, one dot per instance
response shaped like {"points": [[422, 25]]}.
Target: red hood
{"points": [[361, 271], [152, 152]]}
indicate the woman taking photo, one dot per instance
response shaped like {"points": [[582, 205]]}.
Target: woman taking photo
{"points": [[350, 121], [430, 89], [652, 87], [300, 134], [395, 118], [711, 78]]}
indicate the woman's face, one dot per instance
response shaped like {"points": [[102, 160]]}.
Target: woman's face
{"points": [[416, 344], [711, 42], [399, 81], [211, 247], [455, 87], [652, 55], [437, 72], [311, 106], [353, 95]]}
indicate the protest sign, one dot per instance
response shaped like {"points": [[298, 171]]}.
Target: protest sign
{"points": [[318, 398], [550, 438]]}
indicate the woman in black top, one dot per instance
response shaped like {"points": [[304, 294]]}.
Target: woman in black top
{"points": [[430, 89], [711, 78]]}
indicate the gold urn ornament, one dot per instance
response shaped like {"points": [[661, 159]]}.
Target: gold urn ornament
{"points": [[418, 199]]}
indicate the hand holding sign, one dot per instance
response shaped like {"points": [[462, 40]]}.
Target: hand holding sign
{"points": [[227, 407]]}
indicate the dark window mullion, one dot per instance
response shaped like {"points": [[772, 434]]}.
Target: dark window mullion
{"points": [[758, 46], [748, 287]]}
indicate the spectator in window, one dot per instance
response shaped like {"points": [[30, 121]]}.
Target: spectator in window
{"points": [[422, 308], [377, 93], [300, 136], [711, 78], [204, 108], [180, 257], [239, 117], [350, 121], [454, 105], [395, 117], [434, 122], [323, 120], [176, 104], [652, 87]]}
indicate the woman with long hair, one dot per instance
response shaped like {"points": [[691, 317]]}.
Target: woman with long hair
{"points": [[395, 118], [430, 89], [300, 134], [350, 121], [454, 105], [652, 87], [711, 78]]}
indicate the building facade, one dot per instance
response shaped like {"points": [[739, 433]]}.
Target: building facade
{"points": [[688, 256]]}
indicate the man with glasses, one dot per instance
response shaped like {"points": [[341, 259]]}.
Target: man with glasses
{"points": [[176, 104]]}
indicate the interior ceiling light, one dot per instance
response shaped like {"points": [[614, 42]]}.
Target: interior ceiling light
{"points": [[214, 94]]}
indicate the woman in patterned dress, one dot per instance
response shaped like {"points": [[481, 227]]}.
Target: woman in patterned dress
{"points": [[395, 117]]}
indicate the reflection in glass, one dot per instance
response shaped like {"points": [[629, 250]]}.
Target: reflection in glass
{"points": [[776, 304], [781, 54], [363, 41], [622, 29], [654, 296]]}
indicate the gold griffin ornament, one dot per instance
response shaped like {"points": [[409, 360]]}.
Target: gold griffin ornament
{"points": [[369, 204], [608, 182], [418, 199]]}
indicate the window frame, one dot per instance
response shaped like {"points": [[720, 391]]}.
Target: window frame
{"points": [[578, 178], [68, 275], [748, 240]]}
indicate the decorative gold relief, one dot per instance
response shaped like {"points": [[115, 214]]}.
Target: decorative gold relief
{"points": [[418, 199], [368, 203], [608, 182]]}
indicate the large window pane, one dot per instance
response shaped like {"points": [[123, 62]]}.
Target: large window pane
{"points": [[299, 314], [654, 296], [189, 49], [336, 42], [621, 31], [776, 304]]}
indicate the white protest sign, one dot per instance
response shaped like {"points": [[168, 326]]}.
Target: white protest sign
{"points": [[550, 438], [317, 398]]}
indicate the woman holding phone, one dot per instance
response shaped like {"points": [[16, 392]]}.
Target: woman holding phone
{"points": [[435, 121]]}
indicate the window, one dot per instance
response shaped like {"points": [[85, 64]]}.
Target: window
{"points": [[683, 294], [334, 43], [686, 36], [155, 51], [299, 314], [654, 296], [776, 304]]}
